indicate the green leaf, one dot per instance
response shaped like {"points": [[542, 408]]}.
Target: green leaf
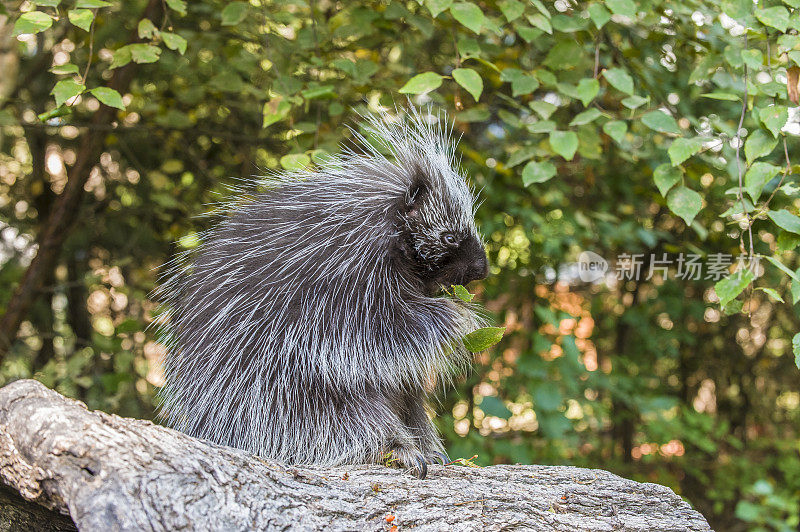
{"points": [[121, 57], [586, 117], [569, 24], [758, 145], [785, 220], [599, 15], [524, 84], [233, 13], [731, 286], [733, 56], [543, 108], [528, 34], [721, 96], [144, 53], [47, 3], [757, 176], [67, 68], [177, 5], [470, 80], [774, 118], [587, 89], [796, 351], [511, 9], [318, 91], [787, 241], [543, 126], [469, 15], [772, 293], [564, 143], [81, 18], [684, 202], [295, 161], [752, 58], [174, 42], [776, 17], [91, 4], [634, 101], [619, 79], [462, 293], [146, 29], [567, 89], [437, 6], [492, 406], [666, 176], [737, 8], [683, 148], [546, 77], [541, 7], [565, 55], [65, 90], [778, 264], [616, 129], [537, 172], [422, 83], [661, 122], [538, 20], [520, 156], [483, 339], [794, 290], [108, 96], [275, 110], [32, 22], [622, 7]]}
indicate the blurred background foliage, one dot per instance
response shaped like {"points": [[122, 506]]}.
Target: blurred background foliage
{"points": [[616, 126]]}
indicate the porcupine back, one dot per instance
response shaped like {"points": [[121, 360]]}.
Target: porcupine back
{"points": [[298, 298]]}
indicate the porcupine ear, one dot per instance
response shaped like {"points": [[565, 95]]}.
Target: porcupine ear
{"points": [[415, 195]]}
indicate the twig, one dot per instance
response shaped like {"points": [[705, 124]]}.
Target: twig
{"points": [[740, 190], [468, 502], [91, 49], [313, 8], [597, 56]]}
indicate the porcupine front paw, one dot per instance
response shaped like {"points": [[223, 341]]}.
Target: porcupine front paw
{"points": [[409, 458]]}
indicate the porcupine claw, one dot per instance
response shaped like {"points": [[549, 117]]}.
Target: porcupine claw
{"points": [[421, 470], [440, 457]]}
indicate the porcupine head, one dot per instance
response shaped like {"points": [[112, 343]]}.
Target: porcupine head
{"points": [[307, 324]]}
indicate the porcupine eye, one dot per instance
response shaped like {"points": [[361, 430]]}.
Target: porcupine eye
{"points": [[449, 240]]}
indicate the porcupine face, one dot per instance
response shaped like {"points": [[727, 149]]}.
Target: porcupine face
{"points": [[438, 234]]}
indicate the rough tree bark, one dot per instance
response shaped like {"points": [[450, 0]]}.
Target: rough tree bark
{"points": [[113, 473]]}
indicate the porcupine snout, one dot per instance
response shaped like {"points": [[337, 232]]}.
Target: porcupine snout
{"points": [[468, 263], [479, 268]]}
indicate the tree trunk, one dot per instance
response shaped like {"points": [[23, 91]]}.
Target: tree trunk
{"points": [[113, 473]]}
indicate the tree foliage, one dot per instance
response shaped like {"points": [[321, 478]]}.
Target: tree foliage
{"points": [[624, 127]]}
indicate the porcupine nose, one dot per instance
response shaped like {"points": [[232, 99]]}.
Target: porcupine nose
{"points": [[479, 269], [479, 266]]}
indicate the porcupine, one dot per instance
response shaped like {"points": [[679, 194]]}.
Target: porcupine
{"points": [[309, 324]]}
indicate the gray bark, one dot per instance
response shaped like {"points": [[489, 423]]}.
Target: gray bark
{"points": [[113, 473]]}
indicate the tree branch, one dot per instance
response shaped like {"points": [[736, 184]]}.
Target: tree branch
{"points": [[113, 473]]}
